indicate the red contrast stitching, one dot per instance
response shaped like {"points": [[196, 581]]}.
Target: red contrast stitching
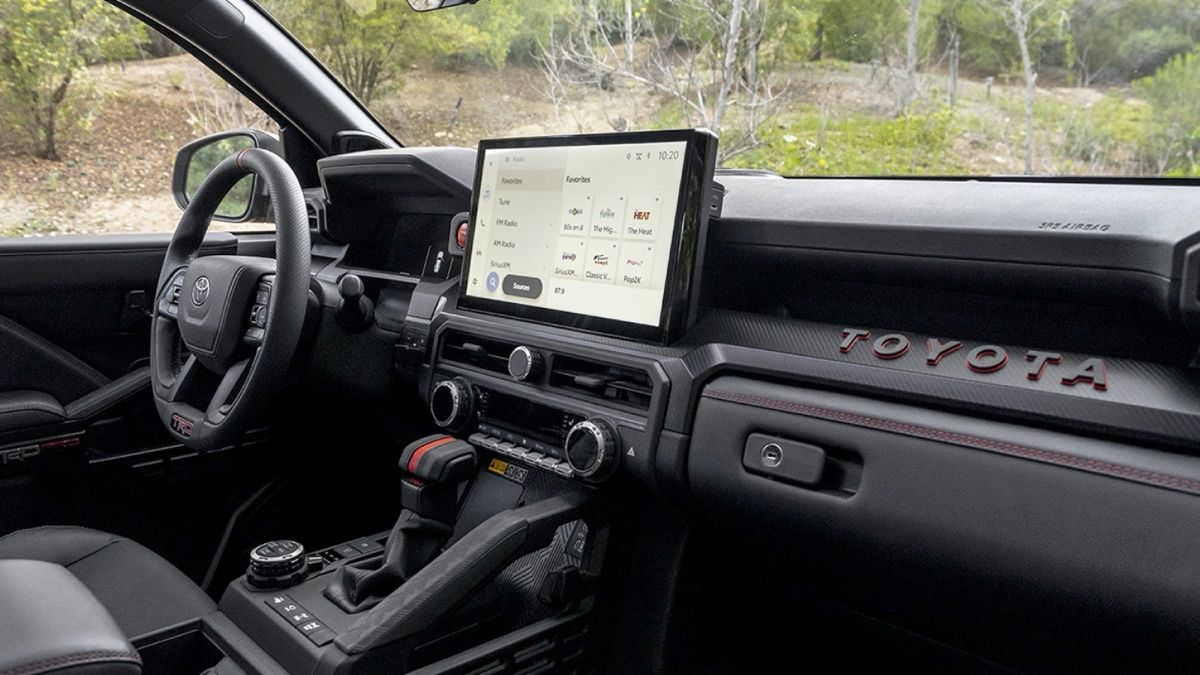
{"points": [[977, 442], [238, 159]]}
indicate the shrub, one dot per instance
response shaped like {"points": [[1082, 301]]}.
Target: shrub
{"points": [[45, 47], [809, 143], [1171, 136]]}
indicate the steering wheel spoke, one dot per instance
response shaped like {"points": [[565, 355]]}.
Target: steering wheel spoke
{"points": [[227, 391], [186, 381]]}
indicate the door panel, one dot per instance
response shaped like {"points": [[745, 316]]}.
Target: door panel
{"points": [[74, 341], [84, 295]]}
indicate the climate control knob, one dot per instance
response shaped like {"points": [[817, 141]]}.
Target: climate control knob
{"points": [[524, 364], [451, 403], [591, 448]]}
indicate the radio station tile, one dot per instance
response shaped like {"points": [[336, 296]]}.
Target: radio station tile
{"points": [[568, 259], [608, 215], [577, 211], [637, 264], [601, 263], [642, 215]]}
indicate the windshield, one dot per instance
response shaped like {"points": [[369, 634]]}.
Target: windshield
{"points": [[797, 87]]}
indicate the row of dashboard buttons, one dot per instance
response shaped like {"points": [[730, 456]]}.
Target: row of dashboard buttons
{"points": [[349, 550], [516, 439], [316, 632], [527, 455]]}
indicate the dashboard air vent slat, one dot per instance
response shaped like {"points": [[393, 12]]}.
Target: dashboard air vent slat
{"points": [[617, 384], [490, 355]]}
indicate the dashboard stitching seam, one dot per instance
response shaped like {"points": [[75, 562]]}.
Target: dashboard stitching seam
{"points": [[1002, 447]]}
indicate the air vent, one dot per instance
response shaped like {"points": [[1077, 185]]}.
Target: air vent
{"points": [[314, 208], [472, 350], [618, 384]]}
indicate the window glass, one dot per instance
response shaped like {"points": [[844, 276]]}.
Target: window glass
{"points": [[93, 107], [798, 87]]}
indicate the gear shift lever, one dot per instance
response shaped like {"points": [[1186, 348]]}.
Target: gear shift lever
{"points": [[434, 467]]}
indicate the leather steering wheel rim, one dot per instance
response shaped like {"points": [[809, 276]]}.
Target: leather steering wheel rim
{"points": [[209, 311]]}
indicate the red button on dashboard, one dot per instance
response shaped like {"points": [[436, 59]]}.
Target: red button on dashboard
{"points": [[460, 237]]}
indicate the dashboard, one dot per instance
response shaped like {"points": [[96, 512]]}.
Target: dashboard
{"points": [[909, 353], [790, 269]]}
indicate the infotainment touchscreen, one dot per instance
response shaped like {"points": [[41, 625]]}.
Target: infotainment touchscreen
{"points": [[597, 232]]}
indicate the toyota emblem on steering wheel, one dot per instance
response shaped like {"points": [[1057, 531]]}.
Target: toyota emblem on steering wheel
{"points": [[200, 291]]}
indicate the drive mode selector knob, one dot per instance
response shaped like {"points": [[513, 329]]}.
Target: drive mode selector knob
{"points": [[450, 402], [277, 564], [524, 364], [591, 448]]}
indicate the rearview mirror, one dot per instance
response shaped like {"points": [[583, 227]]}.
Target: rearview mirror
{"points": [[426, 5], [247, 201]]}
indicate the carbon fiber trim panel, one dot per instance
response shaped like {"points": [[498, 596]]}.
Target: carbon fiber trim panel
{"points": [[1144, 401]]}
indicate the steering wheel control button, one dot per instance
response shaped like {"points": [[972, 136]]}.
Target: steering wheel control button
{"points": [[591, 447], [451, 403], [277, 564], [524, 364], [783, 459]]}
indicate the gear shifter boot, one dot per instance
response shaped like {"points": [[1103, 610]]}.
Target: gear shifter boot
{"points": [[412, 543], [434, 466]]}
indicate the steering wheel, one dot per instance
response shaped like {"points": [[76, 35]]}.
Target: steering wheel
{"points": [[239, 317]]}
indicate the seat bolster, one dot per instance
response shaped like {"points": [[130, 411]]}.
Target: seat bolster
{"points": [[53, 623], [62, 545], [143, 592], [26, 408]]}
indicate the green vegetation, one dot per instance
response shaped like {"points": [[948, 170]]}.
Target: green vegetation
{"points": [[1171, 133], [45, 46], [370, 43], [802, 87], [809, 142]]}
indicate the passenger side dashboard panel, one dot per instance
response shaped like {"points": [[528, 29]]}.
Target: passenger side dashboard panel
{"points": [[961, 542]]}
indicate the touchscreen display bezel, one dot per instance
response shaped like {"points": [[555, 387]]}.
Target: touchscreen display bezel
{"points": [[687, 248]]}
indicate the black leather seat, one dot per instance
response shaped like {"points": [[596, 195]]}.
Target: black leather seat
{"points": [[142, 592]]}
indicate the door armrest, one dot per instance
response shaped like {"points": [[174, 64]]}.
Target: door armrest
{"points": [[91, 405]]}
